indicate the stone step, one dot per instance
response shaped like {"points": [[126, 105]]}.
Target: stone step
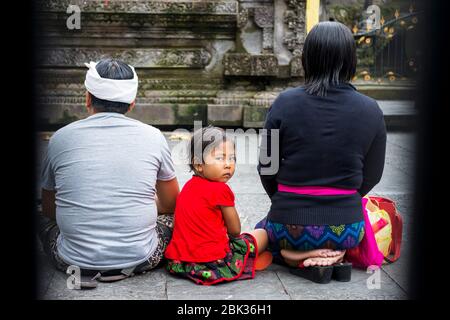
{"points": [[387, 92], [76, 89], [399, 114]]}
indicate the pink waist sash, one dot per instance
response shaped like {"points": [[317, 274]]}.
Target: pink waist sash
{"points": [[315, 190]]}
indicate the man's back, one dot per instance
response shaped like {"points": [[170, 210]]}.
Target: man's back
{"points": [[104, 169]]}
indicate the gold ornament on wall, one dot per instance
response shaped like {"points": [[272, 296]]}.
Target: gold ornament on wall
{"points": [[391, 76]]}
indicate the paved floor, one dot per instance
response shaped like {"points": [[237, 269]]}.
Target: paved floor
{"points": [[275, 282]]}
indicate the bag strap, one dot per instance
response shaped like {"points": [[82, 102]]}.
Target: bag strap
{"points": [[396, 238], [397, 231]]}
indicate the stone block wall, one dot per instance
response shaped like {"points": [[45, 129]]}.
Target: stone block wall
{"points": [[219, 61]]}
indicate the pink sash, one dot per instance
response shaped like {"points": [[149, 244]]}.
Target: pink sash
{"points": [[314, 190]]}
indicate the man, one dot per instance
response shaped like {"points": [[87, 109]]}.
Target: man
{"points": [[106, 180]]}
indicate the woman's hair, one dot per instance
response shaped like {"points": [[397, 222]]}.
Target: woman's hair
{"points": [[117, 70], [329, 57], [205, 139]]}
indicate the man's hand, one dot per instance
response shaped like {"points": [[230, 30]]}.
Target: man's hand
{"points": [[48, 204], [166, 195]]}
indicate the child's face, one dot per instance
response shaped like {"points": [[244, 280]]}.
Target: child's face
{"points": [[219, 163]]}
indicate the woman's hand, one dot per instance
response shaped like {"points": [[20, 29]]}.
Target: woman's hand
{"points": [[232, 221]]}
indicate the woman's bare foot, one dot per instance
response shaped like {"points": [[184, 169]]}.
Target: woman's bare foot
{"points": [[293, 258], [302, 255], [318, 261]]}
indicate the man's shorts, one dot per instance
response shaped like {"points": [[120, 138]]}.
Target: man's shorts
{"points": [[49, 232]]}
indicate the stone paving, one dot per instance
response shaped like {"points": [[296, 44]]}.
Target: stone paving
{"points": [[275, 283]]}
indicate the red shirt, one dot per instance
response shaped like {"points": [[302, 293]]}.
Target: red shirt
{"points": [[199, 233]]}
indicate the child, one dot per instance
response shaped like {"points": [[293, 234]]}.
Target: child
{"points": [[207, 245]]}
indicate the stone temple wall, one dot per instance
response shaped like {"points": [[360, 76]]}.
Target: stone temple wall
{"points": [[219, 61]]}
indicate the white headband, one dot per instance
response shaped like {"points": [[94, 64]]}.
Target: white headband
{"points": [[110, 89]]}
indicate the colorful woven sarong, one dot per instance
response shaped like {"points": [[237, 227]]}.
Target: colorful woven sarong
{"points": [[238, 264]]}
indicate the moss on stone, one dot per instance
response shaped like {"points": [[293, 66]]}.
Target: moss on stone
{"points": [[187, 114], [67, 118]]}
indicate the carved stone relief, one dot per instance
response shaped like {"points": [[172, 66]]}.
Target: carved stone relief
{"points": [[188, 54], [139, 58], [295, 20], [264, 19]]}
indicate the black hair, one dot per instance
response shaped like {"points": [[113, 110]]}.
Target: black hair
{"points": [[112, 69], [329, 57], [205, 139]]}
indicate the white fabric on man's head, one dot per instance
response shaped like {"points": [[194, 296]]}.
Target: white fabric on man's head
{"points": [[123, 90]]}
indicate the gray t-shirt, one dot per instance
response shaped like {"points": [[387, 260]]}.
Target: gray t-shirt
{"points": [[104, 170]]}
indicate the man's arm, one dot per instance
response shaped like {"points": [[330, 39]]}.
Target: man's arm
{"points": [[166, 195], [48, 204]]}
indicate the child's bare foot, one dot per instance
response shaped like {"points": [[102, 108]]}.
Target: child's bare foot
{"points": [[318, 261], [263, 260]]}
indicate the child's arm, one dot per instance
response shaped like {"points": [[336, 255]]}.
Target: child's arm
{"points": [[232, 221]]}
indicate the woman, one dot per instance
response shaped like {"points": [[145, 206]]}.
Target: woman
{"points": [[332, 142]]}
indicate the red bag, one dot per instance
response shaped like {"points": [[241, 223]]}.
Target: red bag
{"points": [[367, 252], [388, 205]]}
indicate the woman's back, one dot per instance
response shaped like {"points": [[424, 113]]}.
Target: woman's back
{"points": [[337, 140], [324, 140]]}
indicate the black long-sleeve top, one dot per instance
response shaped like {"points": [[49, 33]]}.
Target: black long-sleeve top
{"points": [[333, 141]]}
